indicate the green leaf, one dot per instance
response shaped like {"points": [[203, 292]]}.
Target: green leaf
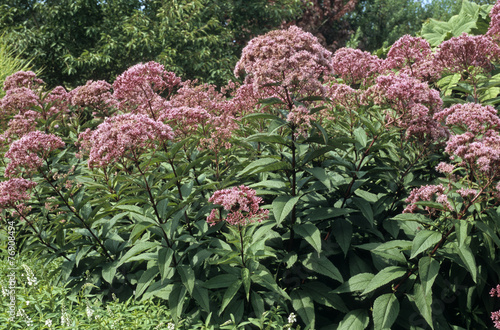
{"points": [[109, 271], [320, 174], [342, 231], [282, 206], [310, 233], [357, 319], [267, 138], [365, 208], [229, 294], [200, 294], [361, 137], [385, 311], [304, 306], [424, 240], [176, 301], [488, 231], [165, 256], [264, 165], [322, 265], [220, 281], [358, 282], [428, 269], [368, 196], [145, 280], [136, 249], [323, 295], [187, 276], [466, 255], [384, 277], [245, 278], [424, 303]]}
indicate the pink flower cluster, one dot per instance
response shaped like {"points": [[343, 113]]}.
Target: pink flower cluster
{"points": [[479, 145], [355, 66], [300, 118], [94, 94], [412, 56], [495, 316], [140, 88], [413, 104], [122, 136], [242, 204], [14, 191], [215, 114], [472, 117], [28, 153], [494, 28], [457, 54], [292, 58], [27, 79], [427, 193]]}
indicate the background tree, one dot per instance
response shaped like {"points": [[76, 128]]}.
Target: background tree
{"points": [[74, 41]]}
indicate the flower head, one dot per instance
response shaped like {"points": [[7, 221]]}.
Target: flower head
{"points": [[427, 193], [121, 136], [292, 58], [94, 94], [494, 28], [28, 153], [27, 79], [140, 88], [412, 56], [242, 204], [472, 117], [457, 54], [355, 66], [14, 191]]}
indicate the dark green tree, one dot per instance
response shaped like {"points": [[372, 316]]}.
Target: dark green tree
{"points": [[73, 41]]}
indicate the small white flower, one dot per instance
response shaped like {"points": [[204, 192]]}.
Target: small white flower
{"points": [[27, 302], [171, 326], [89, 311], [292, 318], [48, 322]]}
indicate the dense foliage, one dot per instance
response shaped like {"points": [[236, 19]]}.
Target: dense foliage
{"points": [[350, 190], [73, 41]]}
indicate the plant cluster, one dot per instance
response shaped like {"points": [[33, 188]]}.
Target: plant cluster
{"points": [[350, 190]]}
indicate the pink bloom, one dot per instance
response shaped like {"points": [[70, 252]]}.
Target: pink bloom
{"points": [[494, 28], [185, 120], [59, 100], [242, 204], [495, 292], [18, 100], [355, 66], [28, 153], [471, 117], [25, 79], [445, 168], [495, 317], [94, 94], [14, 191], [140, 88], [413, 56], [467, 192], [343, 95], [119, 136], [459, 53], [300, 118], [427, 193], [292, 58]]}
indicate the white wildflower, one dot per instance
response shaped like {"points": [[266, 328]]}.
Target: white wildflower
{"points": [[48, 322], [171, 326], [292, 318]]}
